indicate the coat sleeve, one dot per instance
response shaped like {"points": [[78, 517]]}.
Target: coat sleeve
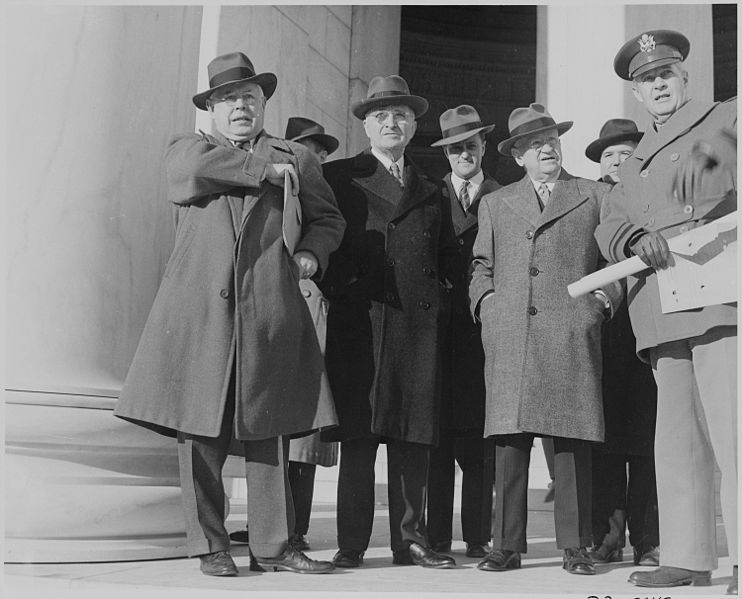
{"points": [[322, 223], [615, 232], [483, 264], [196, 167]]}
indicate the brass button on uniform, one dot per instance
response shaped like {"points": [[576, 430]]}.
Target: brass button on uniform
{"points": [[644, 173], [224, 293], [533, 271], [688, 209], [529, 234], [532, 310], [646, 208], [674, 156]]}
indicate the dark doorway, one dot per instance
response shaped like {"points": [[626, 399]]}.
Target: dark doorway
{"points": [[484, 56], [725, 51]]}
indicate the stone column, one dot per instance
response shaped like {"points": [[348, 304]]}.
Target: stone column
{"points": [[94, 94], [574, 66]]}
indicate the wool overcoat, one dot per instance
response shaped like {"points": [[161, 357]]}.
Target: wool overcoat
{"points": [[542, 347], [229, 308], [463, 391], [387, 303], [644, 201]]}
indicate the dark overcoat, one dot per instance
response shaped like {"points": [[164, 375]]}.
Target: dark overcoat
{"points": [[387, 303], [542, 347], [229, 308], [644, 201], [462, 368]]}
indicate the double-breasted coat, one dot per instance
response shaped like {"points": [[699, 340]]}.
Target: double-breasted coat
{"points": [[644, 201], [387, 303], [463, 391], [542, 347], [229, 316]]}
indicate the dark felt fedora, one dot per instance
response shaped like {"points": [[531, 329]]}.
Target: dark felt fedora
{"points": [[386, 91], [613, 132], [234, 67], [649, 50], [525, 121], [460, 123], [299, 128]]}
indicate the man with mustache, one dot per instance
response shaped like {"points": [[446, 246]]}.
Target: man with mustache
{"points": [[693, 353]]}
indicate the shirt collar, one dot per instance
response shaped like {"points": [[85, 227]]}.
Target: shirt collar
{"points": [[549, 184], [386, 161], [475, 182]]}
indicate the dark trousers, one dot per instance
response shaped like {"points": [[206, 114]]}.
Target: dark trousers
{"points": [[475, 456], [408, 474], [301, 477], [572, 501], [270, 509], [637, 499]]}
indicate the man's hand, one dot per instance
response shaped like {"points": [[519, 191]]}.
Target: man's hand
{"points": [[653, 250], [275, 174], [307, 264]]}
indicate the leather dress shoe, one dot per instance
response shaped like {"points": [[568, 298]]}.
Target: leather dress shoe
{"points": [[299, 542], [219, 563], [441, 547], [422, 556], [647, 556], [667, 576], [240, 536], [292, 560], [499, 560], [733, 588], [348, 558], [477, 549], [606, 554], [578, 561]]}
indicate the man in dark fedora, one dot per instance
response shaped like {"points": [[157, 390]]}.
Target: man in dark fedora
{"points": [[693, 353], [462, 366], [624, 486], [312, 135], [212, 360], [386, 286], [542, 347]]}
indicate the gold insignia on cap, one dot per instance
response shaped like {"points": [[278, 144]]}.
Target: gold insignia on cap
{"points": [[646, 43]]}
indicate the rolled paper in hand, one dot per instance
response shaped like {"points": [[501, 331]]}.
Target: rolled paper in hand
{"points": [[606, 275]]}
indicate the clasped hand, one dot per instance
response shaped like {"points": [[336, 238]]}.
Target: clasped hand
{"points": [[307, 264]]}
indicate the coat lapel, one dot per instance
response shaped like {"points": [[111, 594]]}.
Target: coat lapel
{"points": [[565, 197], [416, 189], [523, 201], [370, 174]]}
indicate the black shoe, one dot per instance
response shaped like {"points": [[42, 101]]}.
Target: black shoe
{"points": [[348, 558], [578, 561], [240, 536], [499, 560], [477, 549], [667, 576], [732, 589], [441, 547], [606, 554], [219, 563], [299, 542], [427, 558], [647, 556], [292, 560]]}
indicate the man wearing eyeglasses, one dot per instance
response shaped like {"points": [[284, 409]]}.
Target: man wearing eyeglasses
{"points": [[387, 290], [229, 348]]}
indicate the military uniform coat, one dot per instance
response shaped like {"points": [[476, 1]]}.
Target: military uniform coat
{"points": [[644, 201], [542, 347], [463, 391], [387, 303], [229, 306]]}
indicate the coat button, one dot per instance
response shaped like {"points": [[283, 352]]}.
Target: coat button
{"points": [[529, 234], [461, 242], [688, 209], [532, 310], [391, 226], [644, 173], [390, 261], [306, 293], [533, 271], [424, 305], [224, 293], [646, 208], [651, 221], [426, 233], [674, 156], [428, 271]]}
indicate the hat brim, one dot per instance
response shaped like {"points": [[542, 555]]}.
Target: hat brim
{"points": [[461, 136], [419, 105], [329, 142], [506, 145], [595, 149], [267, 82]]}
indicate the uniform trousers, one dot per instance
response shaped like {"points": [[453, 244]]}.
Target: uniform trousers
{"points": [[696, 425], [475, 456], [407, 489], [572, 500], [270, 509]]}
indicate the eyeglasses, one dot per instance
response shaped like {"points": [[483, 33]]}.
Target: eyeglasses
{"points": [[231, 98], [539, 142], [398, 116]]}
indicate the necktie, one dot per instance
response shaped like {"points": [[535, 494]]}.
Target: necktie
{"points": [[464, 195], [543, 194], [394, 170]]}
